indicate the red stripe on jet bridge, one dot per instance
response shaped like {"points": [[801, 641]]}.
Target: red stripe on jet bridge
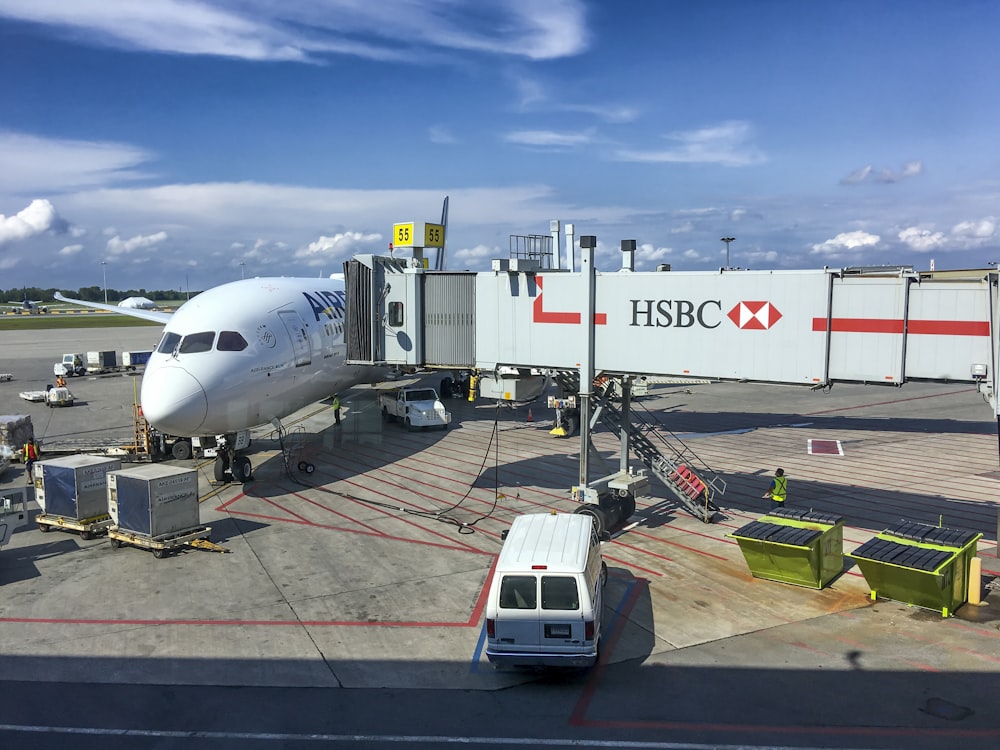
{"points": [[889, 325], [573, 318]]}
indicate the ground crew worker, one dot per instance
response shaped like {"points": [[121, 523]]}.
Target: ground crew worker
{"points": [[336, 408], [30, 455], [60, 381], [778, 491]]}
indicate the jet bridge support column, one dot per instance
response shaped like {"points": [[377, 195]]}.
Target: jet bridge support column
{"points": [[587, 245]]}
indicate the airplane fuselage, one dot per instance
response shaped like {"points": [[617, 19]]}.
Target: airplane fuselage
{"points": [[245, 353]]}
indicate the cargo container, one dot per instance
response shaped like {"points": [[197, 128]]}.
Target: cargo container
{"points": [[135, 359], [74, 487], [101, 361], [154, 500]]}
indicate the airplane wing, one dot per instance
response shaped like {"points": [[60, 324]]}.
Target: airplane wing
{"points": [[154, 315]]}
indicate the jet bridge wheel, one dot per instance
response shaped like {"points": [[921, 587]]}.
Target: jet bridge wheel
{"points": [[306, 468], [627, 504]]}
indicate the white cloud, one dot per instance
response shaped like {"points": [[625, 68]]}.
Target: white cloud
{"points": [[982, 229], [70, 250], [724, 144], [339, 247], [38, 217], [308, 32], [472, 257], [921, 240], [883, 175], [30, 163], [846, 241], [118, 246], [549, 138]]}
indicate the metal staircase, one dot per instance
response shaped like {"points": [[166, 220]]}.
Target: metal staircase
{"points": [[695, 485]]}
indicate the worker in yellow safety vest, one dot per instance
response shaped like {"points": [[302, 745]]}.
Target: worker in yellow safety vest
{"points": [[778, 491], [30, 455]]}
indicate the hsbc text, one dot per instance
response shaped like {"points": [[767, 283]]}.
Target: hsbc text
{"points": [[679, 313]]}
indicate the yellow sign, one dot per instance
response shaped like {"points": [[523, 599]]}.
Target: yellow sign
{"points": [[433, 235], [417, 234], [402, 234]]}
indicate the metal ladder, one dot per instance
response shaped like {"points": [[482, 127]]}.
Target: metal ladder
{"points": [[689, 479]]}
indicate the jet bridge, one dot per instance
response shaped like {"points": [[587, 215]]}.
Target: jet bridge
{"points": [[812, 327]]}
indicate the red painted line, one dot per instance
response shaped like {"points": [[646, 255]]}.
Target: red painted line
{"points": [[680, 546], [230, 623], [573, 318], [633, 566], [642, 551], [895, 325]]}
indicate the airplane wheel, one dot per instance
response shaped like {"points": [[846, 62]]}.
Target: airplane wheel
{"points": [[219, 470], [181, 450], [242, 471]]}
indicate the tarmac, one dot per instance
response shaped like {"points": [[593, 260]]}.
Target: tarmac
{"points": [[372, 572]]}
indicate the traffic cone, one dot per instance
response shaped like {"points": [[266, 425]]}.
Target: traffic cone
{"points": [[530, 418]]}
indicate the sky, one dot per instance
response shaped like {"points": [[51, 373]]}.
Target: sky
{"points": [[180, 144]]}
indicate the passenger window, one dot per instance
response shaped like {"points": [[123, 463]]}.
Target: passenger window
{"points": [[560, 592], [231, 341], [168, 343], [518, 592], [197, 342]]}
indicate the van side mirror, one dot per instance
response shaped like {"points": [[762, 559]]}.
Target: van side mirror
{"points": [[503, 535], [604, 536]]}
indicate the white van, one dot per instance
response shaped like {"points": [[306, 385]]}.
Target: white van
{"points": [[547, 593]]}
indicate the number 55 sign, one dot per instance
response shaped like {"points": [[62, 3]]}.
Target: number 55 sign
{"points": [[417, 234]]}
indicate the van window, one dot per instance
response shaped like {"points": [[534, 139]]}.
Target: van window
{"points": [[517, 592], [560, 592]]}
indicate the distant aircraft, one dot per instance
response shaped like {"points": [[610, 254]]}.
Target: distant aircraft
{"points": [[30, 306], [244, 354]]}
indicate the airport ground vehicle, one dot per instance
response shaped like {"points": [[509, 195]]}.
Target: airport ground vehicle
{"points": [[71, 365], [414, 407], [547, 593]]}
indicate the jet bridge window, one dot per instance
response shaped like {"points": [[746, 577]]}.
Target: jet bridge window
{"points": [[197, 342], [168, 343], [231, 341], [395, 314]]}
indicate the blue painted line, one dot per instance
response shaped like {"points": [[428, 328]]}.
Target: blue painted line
{"points": [[478, 653]]}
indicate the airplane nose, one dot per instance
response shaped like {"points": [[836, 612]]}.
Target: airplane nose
{"points": [[173, 400]]}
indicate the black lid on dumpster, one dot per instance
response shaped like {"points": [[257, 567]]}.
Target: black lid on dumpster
{"points": [[905, 555], [772, 532], [801, 514], [924, 532]]}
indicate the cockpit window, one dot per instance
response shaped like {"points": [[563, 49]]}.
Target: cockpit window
{"points": [[231, 341], [197, 342], [168, 343]]}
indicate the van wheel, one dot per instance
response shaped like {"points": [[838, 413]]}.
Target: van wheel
{"points": [[596, 514], [604, 573]]}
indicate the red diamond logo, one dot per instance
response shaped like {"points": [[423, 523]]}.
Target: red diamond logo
{"points": [[754, 316]]}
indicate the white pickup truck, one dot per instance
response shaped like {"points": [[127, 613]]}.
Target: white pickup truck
{"points": [[414, 407]]}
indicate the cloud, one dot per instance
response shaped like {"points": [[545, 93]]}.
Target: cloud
{"points": [[724, 144], [441, 135], [38, 217], [922, 240], [846, 243], [884, 175], [30, 163], [548, 138], [976, 231], [70, 250], [118, 246], [338, 247], [310, 32]]}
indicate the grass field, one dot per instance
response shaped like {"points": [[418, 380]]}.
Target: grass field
{"points": [[81, 320]]}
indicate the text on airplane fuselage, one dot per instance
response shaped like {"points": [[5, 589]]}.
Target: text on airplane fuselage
{"points": [[329, 305]]}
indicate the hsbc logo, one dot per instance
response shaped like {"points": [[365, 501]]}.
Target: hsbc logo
{"points": [[754, 316]]}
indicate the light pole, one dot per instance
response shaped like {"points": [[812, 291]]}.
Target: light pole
{"points": [[104, 270], [727, 240], [243, 267]]}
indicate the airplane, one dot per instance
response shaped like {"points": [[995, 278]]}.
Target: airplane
{"points": [[30, 306], [244, 354]]}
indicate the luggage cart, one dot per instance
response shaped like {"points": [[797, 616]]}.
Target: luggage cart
{"points": [[163, 545], [88, 527]]}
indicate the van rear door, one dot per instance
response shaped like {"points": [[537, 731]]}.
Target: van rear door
{"points": [[517, 622], [560, 623]]}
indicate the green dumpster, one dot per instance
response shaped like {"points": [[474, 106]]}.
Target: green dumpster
{"points": [[919, 564], [803, 547]]}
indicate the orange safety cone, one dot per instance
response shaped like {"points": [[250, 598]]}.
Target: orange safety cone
{"points": [[530, 418]]}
